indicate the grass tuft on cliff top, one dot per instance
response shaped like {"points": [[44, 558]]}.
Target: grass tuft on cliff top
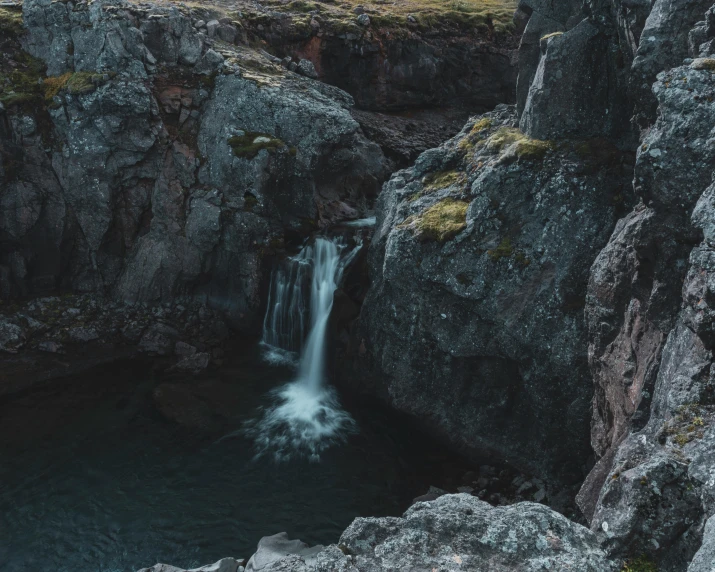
{"points": [[425, 14]]}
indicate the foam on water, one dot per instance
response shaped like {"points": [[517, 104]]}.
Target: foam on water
{"points": [[302, 421], [305, 416]]}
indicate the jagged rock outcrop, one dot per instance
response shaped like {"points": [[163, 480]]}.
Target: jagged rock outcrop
{"points": [[660, 488], [454, 532], [650, 364], [576, 90], [651, 342], [150, 165], [634, 293], [663, 45], [479, 266], [542, 19]]}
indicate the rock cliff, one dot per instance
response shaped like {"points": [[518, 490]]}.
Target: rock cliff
{"points": [[143, 161], [540, 283], [476, 322]]}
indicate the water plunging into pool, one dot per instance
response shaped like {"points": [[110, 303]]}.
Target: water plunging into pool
{"points": [[305, 417]]}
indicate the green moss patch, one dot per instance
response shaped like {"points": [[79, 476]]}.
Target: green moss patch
{"points": [[442, 180], [703, 64], [502, 138], [503, 250], [640, 564], [76, 83], [22, 85], [248, 145], [514, 141], [443, 220], [10, 23], [483, 124], [532, 149]]}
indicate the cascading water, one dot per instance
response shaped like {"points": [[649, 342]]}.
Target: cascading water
{"points": [[306, 417]]}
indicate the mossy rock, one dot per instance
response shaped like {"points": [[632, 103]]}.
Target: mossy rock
{"points": [[532, 149], [513, 141], [688, 424], [77, 83], [442, 180], [502, 138], [482, 125], [23, 85], [552, 35], [640, 564], [443, 220], [503, 250], [10, 23], [248, 145], [707, 64]]}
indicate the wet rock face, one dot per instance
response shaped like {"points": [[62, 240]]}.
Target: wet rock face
{"points": [[480, 261], [163, 168]]}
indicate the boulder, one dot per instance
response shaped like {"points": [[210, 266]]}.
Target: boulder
{"points": [[223, 565], [704, 560], [458, 532], [271, 549], [576, 90], [479, 266]]}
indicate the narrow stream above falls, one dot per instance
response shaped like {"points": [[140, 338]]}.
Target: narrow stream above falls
{"points": [[121, 468]]}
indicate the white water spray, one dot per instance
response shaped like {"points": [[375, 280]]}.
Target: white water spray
{"points": [[306, 417]]}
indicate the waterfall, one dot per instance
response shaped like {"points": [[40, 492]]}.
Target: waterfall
{"points": [[305, 417]]}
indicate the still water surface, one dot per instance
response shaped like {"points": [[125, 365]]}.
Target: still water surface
{"points": [[93, 478]]}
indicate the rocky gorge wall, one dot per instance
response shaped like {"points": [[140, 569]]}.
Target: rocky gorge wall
{"points": [[144, 162], [540, 283], [544, 252]]}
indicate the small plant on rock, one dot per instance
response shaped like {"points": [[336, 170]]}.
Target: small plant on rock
{"points": [[248, 145], [640, 564]]}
